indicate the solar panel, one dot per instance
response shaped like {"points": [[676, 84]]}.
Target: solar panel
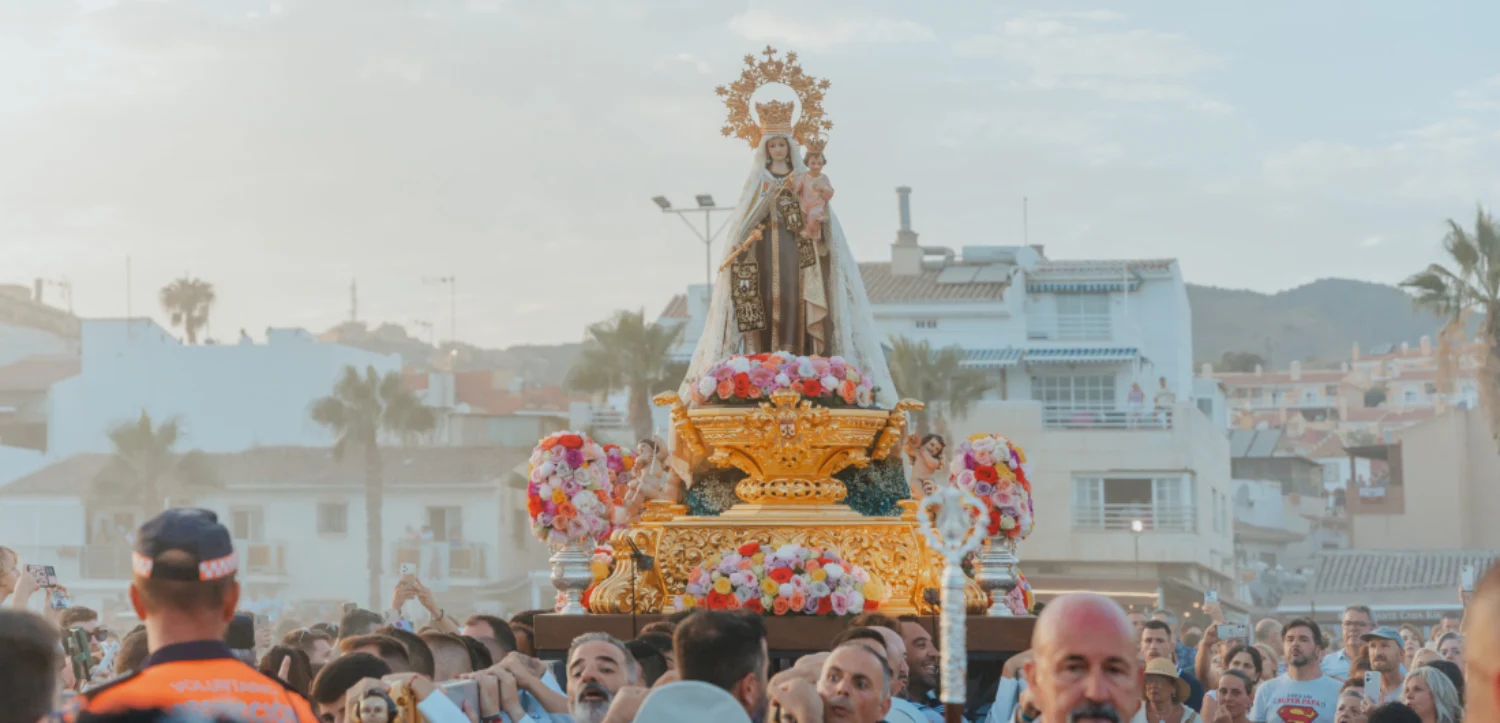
{"points": [[994, 274], [1265, 443], [957, 275]]}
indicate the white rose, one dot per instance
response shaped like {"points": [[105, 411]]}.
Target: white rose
{"points": [[857, 601], [739, 364], [830, 383], [783, 381], [707, 386]]}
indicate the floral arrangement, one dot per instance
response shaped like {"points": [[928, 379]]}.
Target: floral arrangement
{"points": [[993, 468], [744, 379], [1021, 601], [569, 493], [787, 580]]}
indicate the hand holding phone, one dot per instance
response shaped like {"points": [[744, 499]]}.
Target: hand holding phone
{"points": [[463, 693], [1231, 631], [1466, 579]]}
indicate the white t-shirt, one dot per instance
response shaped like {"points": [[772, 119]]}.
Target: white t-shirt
{"points": [[1284, 700]]}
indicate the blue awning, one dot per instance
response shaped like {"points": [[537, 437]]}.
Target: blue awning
{"points": [[1081, 355], [991, 358], [1080, 287]]}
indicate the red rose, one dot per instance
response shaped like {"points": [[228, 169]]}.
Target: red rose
{"points": [[781, 574], [749, 548], [812, 388], [571, 441], [871, 605], [986, 473], [742, 385], [825, 605], [994, 526], [754, 604], [716, 600], [799, 386]]}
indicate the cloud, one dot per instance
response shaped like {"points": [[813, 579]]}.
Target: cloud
{"points": [[688, 59], [804, 27], [1371, 241], [1089, 52], [1484, 95]]}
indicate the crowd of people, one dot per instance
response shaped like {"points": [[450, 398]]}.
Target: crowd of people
{"points": [[195, 654]]}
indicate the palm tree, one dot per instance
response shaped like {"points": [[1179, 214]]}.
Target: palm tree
{"points": [[145, 471], [188, 300], [1470, 286], [937, 378], [628, 352], [362, 409]]}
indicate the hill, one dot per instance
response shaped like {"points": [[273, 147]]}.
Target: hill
{"points": [[1319, 321]]}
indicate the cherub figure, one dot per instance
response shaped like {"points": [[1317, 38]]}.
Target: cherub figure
{"points": [[814, 191], [651, 479], [926, 458]]}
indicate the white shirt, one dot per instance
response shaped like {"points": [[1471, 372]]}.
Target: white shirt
{"points": [[1286, 700]]}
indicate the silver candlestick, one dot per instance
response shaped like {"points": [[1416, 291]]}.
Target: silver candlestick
{"points": [[996, 572], [571, 575], [957, 532]]}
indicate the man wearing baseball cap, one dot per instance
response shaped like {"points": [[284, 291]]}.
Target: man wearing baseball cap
{"points": [[185, 590], [1384, 644]]}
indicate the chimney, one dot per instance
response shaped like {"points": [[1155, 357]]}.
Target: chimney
{"points": [[906, 255], [1208, 369], [1355, 354], [1426, 344], [36, 294], [1405, 347], [1258, 370], [1296, 370]]}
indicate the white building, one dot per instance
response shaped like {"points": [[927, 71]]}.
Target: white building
{"points": [[228, 398], [298, 520], [1064, 341]]}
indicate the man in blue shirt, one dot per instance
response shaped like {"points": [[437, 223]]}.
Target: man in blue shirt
{"points": [[1357, 621]]}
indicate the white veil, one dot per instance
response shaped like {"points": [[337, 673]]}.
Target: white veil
{"points": [[854, 335]]}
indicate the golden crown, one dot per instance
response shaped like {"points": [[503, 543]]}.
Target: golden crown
{"points": [[775, 117], [816, 144], [786, 72]]}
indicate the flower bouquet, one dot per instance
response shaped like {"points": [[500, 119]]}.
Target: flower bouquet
{"points": [[570, 492], [787, 580], [742, 379], [993, 468], [1020, 600]]}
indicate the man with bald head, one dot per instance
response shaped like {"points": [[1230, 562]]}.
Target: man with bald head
{"points": [[1084, 666], [1482, 659]]}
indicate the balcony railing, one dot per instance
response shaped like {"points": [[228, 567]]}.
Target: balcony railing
{"points": [[261, 558], [464, 559], [1105, 416], [1070, 327], [1122, 517]]}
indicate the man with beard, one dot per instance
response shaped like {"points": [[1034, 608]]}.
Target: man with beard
{"points": [[1304, 694], [1385, 658], [922, 660], [1357, 621], [598, 667], [1084, 667]]}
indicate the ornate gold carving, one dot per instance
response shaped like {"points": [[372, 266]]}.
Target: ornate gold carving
{"points": [[682, 423], [930, 566], [801, 491], [626, 588], [786, 72], [662, 511], [895, 429], [775, 117]]}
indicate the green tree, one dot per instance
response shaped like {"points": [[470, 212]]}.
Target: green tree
{"points": [[189, 302], [1375, 396], [1469, 285], [144, 470], [628, 352], [361, 411], [1240, 361], [938, 378]]}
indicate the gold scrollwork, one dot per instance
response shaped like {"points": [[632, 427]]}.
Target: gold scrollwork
{"points": [[626, 589], [803, 491]]}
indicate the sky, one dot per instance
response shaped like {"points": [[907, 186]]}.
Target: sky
{"points": [[282, 149]]}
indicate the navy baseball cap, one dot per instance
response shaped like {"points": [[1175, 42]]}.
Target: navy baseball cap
{"points": [[194, 531]]}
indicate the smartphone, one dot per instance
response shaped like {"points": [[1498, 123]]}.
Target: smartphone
{"points": [[59, 599], [76, 647], [463, 693], [1231, 631], [1467, 578], [262, 621], [408, 569], [45, 575], [1372, 685], [1211, 596]]}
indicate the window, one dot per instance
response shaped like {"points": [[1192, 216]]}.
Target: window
{"points": [[1161, 504], [447, 523], [1083, 317], [333, 518], [1217, 511], [1332, 390], [247, 523], [1080, 391], [927, 323], [1309, 396], [1430, 388]]}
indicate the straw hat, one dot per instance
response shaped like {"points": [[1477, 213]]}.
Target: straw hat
{"points": [[1165, 668]]}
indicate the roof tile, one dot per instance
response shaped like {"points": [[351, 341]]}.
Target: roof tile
{"points": [[884, 287]]}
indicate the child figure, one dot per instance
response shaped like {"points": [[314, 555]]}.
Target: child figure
{"points": [[926, 457], [814, 191]]}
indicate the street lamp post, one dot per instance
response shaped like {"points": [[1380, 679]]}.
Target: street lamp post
{"points": [[707, 235], [1136, 528]]}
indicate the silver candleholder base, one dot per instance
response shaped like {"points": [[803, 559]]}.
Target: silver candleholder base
{"points": [[571, 576], [997, 573]]}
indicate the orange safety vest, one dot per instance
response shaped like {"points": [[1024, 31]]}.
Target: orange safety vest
{"points": [[210, 686]]}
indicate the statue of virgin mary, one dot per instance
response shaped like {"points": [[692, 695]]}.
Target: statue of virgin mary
{"points": [[779, 290]]}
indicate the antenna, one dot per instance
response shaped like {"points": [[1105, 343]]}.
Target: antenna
{"points": [[353, 300], [1025, 221]]}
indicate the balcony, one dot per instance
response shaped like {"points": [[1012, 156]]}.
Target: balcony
{"points": [[463, 559], [1105, 416], [1158, 517], [1070, 327]]}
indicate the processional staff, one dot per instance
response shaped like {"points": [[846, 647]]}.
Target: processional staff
{"points": [[957, 532]]}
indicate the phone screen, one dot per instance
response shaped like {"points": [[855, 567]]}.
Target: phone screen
{"points": [[1211, 596], [1372, 685], [1468, 578], [463, 693]]}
